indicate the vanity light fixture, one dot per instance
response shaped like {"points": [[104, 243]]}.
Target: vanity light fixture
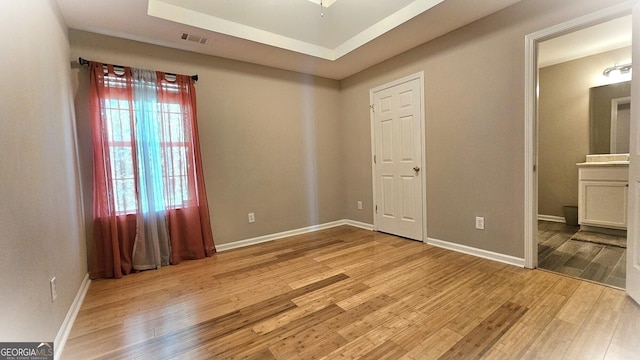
{"points": [[617, 70]]}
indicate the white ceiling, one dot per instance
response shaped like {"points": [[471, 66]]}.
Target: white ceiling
{"points": [[351, 36], [610, 35]]}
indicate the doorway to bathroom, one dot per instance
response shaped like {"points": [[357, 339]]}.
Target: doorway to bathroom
{"points": [[582, 151]]}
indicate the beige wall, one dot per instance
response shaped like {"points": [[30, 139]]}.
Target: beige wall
{"points": [[563, 125], [41, 232], [270, 139], [474, 98]]}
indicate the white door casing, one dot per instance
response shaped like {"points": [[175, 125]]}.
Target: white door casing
{"points": [[398, 153], [633, 221]]}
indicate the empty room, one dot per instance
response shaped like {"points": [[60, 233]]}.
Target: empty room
{"points": [[314, 179]]}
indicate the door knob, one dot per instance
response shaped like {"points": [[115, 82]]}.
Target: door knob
{"points": [[416, 168]]}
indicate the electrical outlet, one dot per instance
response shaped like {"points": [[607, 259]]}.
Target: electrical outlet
{"points": [[54, 292], [480, 222], [359, 205], [252, 218]]}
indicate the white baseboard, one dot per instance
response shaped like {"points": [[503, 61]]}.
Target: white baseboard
{"points": [[506, 259], [552, 218], [358, 224], [485, 254], [284, 234], [67, 324]]}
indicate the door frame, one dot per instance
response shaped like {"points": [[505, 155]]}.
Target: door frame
{"points": [[420, 77], [531, 116]]}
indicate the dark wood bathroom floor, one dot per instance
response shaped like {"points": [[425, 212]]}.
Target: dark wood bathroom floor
{"points": [[556, 252]]}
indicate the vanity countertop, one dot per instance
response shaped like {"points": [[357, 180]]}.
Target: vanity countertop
{"points": [[605, 160], [603, 163]]}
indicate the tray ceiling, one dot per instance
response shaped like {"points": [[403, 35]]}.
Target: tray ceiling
{"points": [[335, 41]]}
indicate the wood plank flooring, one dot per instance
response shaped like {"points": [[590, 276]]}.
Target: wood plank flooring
{"points": [[557, 252], [347, 293]]}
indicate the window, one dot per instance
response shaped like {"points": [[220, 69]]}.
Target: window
{"points": [[175, 149], [150, 204]]}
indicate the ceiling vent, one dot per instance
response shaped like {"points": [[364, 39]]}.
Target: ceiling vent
{"points": [[195, 38]]}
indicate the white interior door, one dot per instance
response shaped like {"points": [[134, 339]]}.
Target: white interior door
{"points": [[398, 174], [633, 234]]}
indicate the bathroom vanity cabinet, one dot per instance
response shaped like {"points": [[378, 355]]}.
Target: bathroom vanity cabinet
{"points": [[602, 194]]}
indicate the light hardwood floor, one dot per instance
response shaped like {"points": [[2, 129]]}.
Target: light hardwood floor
{"points": [[348, 293]]}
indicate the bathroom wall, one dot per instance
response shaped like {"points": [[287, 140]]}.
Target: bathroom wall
{"points": [[563, 125]]}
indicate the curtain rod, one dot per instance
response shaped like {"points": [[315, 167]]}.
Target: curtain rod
{"points": [[85, 62]]}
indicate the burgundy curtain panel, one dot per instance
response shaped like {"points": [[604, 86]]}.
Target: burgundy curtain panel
{"points": [[116, 169]]}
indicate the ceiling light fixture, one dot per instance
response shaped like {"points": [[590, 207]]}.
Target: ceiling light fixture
{"points": [[324, 3], [617, 70]]}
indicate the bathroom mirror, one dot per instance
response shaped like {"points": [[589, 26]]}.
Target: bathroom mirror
{"points": [[609, 117], [620, 124]]}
